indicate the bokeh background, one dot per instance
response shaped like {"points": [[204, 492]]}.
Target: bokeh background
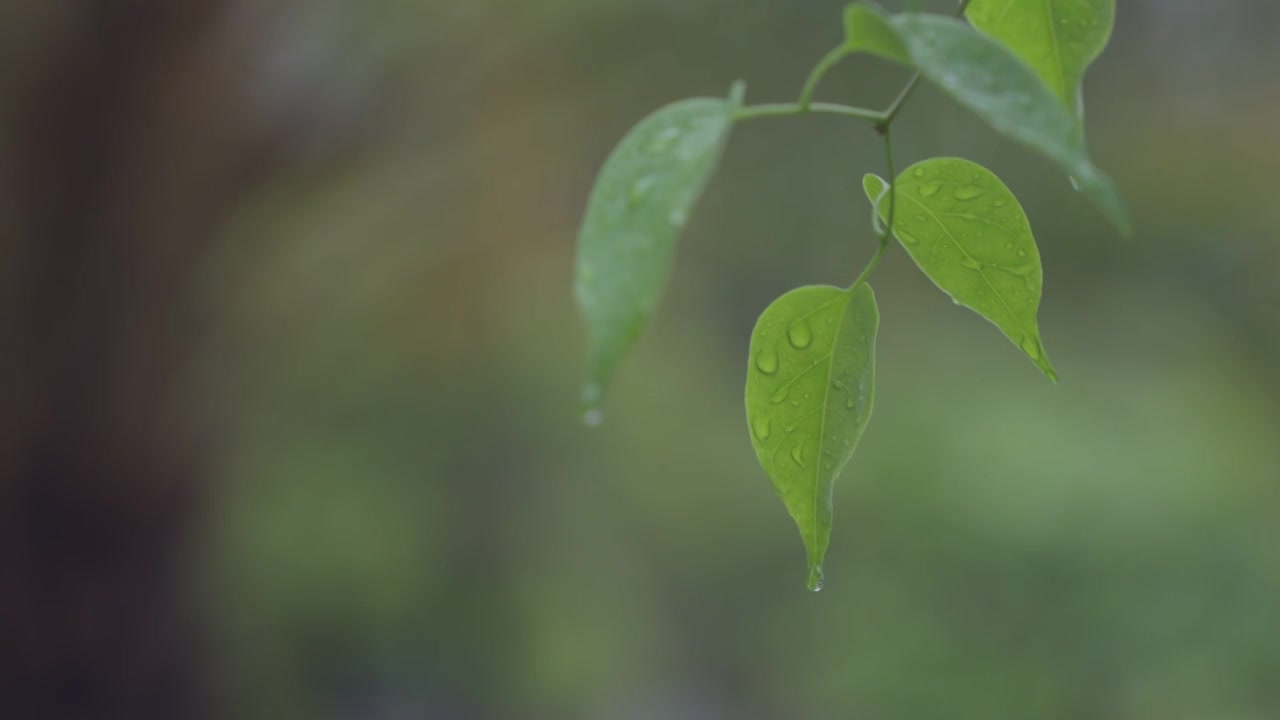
{"points": [[289, 367]]}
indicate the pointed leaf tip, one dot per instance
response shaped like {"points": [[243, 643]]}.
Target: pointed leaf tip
{"points": [[810, 386]]}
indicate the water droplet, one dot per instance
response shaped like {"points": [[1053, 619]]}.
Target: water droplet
{"points": [[1075, 184], [1022, 253], [767, 361], [848, 402], [761, 428], [929, 189], [663, 141], [969, 216], [799, 335], [797, 454], [836, 384], [906, 237], [593, 417], [978, 233], [967, 192], [999, 203], [1031, 347], [970, 263], [677, 217], [815, 578], [639, 190], [919, 172], [1008, 246], [921, 218]]}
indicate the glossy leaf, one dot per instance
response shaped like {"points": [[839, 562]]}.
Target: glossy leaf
{"points": [[987, 78], [640, 203], [1056, 38], [967, 232], [867, 29], [810, 380]]}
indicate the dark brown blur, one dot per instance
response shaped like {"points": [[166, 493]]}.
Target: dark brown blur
{"points": [[288, 365]]}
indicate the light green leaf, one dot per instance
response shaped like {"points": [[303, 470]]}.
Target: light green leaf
{"points": [[1057, 38], [641, 201], [987, 78], [867, 29], [967, 232], [810, 381]]}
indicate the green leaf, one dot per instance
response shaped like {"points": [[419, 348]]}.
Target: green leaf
{"points": [[1056, 38], [967, 232], [867, 29], [810, 381], [641, 201], [987, 78]]}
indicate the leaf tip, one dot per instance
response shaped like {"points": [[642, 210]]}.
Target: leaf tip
{"points": [[815, 577]]}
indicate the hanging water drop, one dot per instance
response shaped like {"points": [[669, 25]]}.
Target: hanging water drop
{"points": [[815, 578]]}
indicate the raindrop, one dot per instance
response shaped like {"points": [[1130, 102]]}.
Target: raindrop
{"points": [[836, 384], [780, 394], [967, 192], [999, 203], [929, 189], [815, 578], [921, 218], [970, 263], [677, 217], [1022, 253], [767, 361], [593, 417], [797, 454], [919, 172], [761, 428], [664, 140], [639, 190], [799, 335]]}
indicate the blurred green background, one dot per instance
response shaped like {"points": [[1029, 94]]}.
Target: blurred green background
{"points": [[403, 516]]}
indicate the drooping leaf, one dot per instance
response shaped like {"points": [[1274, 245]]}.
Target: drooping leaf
{"points": [[867, 29], [641, 201], [986, 77], [1056, 38], [967, 232], [810, 382]]}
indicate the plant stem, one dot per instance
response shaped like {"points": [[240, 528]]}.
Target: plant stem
{"points": [[784, 109], [815, 76], [887, 231]]}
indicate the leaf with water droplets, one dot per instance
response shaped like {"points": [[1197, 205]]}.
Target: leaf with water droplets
{"points": [[973, 241], [1056, 38], [810, 380], [986, 77], [641, 200]]}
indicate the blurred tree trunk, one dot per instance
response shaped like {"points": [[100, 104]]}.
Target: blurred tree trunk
{"points": [[125, 142]]}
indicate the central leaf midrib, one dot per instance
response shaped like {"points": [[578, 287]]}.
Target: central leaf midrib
{"points": [[822, 424]]}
